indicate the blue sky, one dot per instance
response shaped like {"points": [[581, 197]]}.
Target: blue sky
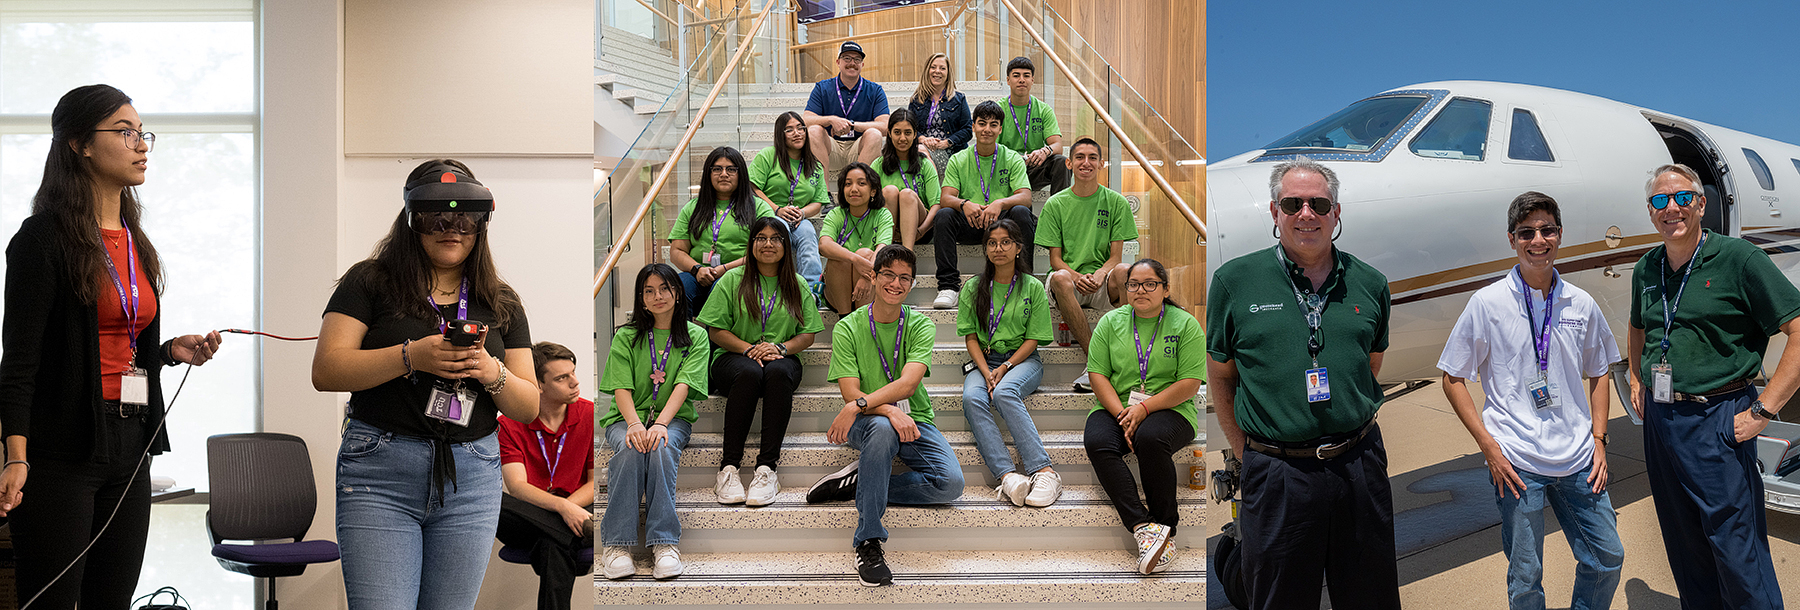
{"points": [[1274, 67]]}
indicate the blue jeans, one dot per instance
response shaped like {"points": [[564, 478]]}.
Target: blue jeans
{"points": [[1009, 400], [401, 548], [1587, 520], [806, 250], [696, 293], [631, 476], [934, 478]]}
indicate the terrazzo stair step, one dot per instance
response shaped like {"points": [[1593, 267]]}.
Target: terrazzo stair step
{"points": [[978, 521], [612, 81], [945, 319], [947, 358], [1036, 579], [1052, 408]]}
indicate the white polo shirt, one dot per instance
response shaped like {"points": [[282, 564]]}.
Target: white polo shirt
{"points": [[1492, 342]]}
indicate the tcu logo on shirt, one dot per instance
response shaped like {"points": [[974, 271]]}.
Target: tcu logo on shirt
{"points": [[1169, 344], [1101, 220]]}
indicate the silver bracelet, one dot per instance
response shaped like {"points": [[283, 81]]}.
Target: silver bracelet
{"points": [[498, 385]]}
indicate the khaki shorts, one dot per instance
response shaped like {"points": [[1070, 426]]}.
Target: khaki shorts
{"points": [[1097, 300], [843, 152]]}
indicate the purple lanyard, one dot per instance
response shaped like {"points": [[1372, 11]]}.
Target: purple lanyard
{"points": [[906, 180], [994, 316], [931, 116], [546, 452], [850, 225], [986, 199], [719, 223], [768, 306], [899, 334], [131, 309], [462, 306], [1143, 355], [793, 183], [854, 93], [658, 367], [1540, 340], [1024, 130]]}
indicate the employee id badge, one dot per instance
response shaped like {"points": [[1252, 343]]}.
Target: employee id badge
{"points": [[1136, 397], [453, 405], [1662, 382], [134, 387], [1541, 397], [1318, 386], [711, 259], [905, 405]]}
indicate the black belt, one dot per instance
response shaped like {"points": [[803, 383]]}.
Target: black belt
{"points": [[1735, 386], [1323, 448], [123, 410]]}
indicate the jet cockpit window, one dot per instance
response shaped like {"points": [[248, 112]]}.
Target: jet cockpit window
{"points": [[1527, 142], [1764, 177], [1361, 127], [1458, 132]]}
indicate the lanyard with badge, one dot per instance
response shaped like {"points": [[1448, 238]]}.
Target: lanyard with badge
{"points": [[905, 404], [794, 173], [1142, 392], [985, 198], [854, 93], [931, 116], [719, 216], [451, 401], [850, 223], [994, 315], [1662, 375], [1542, 394], [546, 452], [1024, 130], [657, 367], [134, 382], [1318, 385]]}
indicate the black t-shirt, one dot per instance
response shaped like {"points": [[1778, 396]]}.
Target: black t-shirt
{"points": [[398, 405]]}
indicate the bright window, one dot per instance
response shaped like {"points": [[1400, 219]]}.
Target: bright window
{"points": [[1459, 132], [1764, 177]]}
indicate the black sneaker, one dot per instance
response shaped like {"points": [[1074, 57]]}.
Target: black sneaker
{"points": [[839, 486], [871, 565]]}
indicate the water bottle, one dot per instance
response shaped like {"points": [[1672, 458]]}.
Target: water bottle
{"points": [[1063, 336]]}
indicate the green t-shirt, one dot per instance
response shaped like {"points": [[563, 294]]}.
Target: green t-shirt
{"points": [[874, 230], [628, 368], [1002, 172], [1734, 301], [855, 352], [765, 174], [925, 184], [733, 237], [1177, 352], [724, 310], [1085, 227], [1026, 315], [1042, 124], [1253, 319]]}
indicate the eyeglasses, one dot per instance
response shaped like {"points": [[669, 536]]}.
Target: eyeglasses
{"points": [[461, 223], [890, 277], [664, 290], [1681, 198], [1530, 233], [134, 137], [1001, 245], [768, 239], [1319, 205], [729, 170], [851, 59], [793, 129], [1151, 286]]}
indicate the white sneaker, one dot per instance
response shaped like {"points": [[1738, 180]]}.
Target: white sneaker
{"points": [[1168, 557], [615, 562], [1013, 487], [728, 488], [1082, 384], [668, 561], [1153, 543], [946, 299], [763, 487], [1046, 487]]}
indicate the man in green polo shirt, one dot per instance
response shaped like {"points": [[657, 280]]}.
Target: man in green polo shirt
{"points": [[1085, 229], [1295, 335], [1703, 307], [1031, 129], [880, 356]]}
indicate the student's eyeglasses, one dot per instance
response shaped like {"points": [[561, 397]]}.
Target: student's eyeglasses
{"points": [[1151, 286], [1530, 233], [767, 239], [890, 277], [460, 223], [1319, 205], [664, 290], [1681, 198], [1001, 244], [134, 137], [793, 129], [729, 170]]}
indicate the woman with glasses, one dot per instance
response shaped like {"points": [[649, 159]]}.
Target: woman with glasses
{"points": [[792, 183], [708, 240], [1147, 363], [1002, 316], [418, 473], [760, 317], [907, 177], [942, 111], [656, 368], [854, 231], [83, 360]]}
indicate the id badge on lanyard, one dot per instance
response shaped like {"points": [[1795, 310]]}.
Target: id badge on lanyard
{"points": [[134, 386], [134, 382], [1662, 382], [452, 401], [1662, 375]]}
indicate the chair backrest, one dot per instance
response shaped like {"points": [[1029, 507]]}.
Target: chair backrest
{"points": [[262, 486]]}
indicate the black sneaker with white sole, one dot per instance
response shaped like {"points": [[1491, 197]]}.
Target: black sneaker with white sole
{"points": [[871, 565], [839, 486]]}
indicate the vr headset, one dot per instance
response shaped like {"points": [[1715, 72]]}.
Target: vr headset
{"points": [[446, 188]]}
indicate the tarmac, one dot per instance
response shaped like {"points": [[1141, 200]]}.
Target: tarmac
{"points": [[1447, 527]]}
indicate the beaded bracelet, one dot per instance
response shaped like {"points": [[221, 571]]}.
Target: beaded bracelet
{"points": [[498, 385]]}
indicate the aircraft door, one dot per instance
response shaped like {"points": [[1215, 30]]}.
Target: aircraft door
{"points": [[1689, 147]]}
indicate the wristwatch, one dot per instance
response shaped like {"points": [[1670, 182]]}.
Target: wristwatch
{"points": [[1756, 408], [862, 403], [696, 269], [1601, 437], [781, 347]]}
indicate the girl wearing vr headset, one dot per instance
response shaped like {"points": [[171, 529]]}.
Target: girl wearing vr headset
{"points": [[418, 474], [81, 372]]}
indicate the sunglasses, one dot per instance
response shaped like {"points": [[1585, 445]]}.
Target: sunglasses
{"points": [[461, 223], [1681, 198], [1530, 233], [1319, 205]]}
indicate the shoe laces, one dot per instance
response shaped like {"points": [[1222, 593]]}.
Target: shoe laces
{"points": [[762, 478], [869, 554], [668, 551]]}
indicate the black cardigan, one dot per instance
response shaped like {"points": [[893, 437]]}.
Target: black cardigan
{"points": [[957, 121], [50, 369]]}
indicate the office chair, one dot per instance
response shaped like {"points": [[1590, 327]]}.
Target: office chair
{"points": [[262, 489]]}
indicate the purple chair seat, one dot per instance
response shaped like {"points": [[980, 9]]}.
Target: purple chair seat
{"points": [[310, 551]]}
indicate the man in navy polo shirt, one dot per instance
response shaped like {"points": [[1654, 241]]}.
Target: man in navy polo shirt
{"points": [[846, 117]]}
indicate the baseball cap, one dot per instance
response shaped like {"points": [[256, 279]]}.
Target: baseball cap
{"points": [[851, 46]]}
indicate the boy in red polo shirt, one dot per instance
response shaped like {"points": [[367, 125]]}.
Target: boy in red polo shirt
{"points": [[546, 467]]}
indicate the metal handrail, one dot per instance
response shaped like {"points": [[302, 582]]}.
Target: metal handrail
{"points": [[662, 177]]}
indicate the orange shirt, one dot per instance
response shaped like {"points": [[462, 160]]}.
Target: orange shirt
{"points": [[115, 337]]}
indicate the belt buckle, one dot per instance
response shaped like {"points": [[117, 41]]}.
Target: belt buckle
{"points": [[1319, 452]]}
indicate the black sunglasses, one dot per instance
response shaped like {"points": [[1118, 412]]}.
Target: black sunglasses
{"points": [[1681, 198], [1530, 233], [1319, 205]]}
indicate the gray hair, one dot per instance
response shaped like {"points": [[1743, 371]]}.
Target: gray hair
{"points": [[1302, 162], [1673, 168]]}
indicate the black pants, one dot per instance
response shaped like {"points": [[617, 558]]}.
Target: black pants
{"points": [[1158, 437], [554, 548], [952, 228], [65, 504], [1053, 172], [744, 382], [1304, 518]]}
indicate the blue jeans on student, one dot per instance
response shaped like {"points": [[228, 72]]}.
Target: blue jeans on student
{"points": [[696, 293], [631, 476], [934, 478], [1587, 520], [402, 549], [805, 240], [1009, 401]]}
